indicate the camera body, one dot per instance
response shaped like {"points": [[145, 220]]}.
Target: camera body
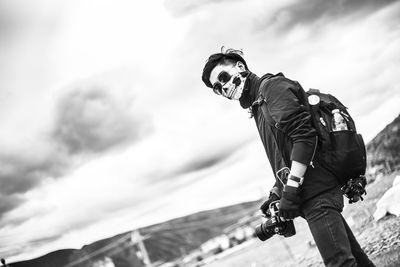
{"points": [[355, 188], [274, 225]]}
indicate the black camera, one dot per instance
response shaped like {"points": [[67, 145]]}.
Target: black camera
{"points": [[274, 224], [355, 188]]}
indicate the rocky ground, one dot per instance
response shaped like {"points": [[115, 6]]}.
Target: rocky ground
{"points": [[380, 239], [382, 242]]}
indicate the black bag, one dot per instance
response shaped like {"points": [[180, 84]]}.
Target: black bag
{"points": [[341, 152]]}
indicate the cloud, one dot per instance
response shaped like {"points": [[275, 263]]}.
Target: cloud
{"points": [[20, 173], [204, 163], [11, 247], [310, 12], [181, 174], [183, 8], [88, 121], [92, 121], [207, 159], [8, 203]]}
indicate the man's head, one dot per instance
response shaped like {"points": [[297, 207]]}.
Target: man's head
{"points": [[225, 72]]}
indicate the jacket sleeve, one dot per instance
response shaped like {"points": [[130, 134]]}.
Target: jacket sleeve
{"points": [[291, 117]]}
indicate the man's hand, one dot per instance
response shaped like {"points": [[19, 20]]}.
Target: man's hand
{"points": [[290, 202], [265, 206]]}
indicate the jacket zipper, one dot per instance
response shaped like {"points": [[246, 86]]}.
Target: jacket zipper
{"points": [[315, 149]]}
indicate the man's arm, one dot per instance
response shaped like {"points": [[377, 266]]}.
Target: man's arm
{"points": [[298, 169], [293, 118]]}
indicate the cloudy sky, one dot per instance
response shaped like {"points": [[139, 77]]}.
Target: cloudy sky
{"points": [[106, 125]]}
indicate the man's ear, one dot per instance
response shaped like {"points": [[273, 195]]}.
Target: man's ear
{"points": [[240, 66]]}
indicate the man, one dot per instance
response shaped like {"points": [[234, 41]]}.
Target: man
{"points": [[290, 141]]}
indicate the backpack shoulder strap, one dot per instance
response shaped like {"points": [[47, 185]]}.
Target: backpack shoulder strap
{"points": [[313, 91], [260, 101]]}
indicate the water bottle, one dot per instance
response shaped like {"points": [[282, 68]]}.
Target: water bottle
{"points": [[338, 122]]}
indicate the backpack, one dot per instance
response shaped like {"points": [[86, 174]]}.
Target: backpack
{"points": [[342, 152]]}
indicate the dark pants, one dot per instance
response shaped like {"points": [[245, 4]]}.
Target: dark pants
{"points": [[333, 237]]}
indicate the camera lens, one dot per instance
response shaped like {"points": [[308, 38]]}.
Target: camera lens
{"points": [[265, 230]]}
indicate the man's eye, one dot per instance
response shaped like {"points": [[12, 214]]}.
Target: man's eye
{"points": [[224, 77]]}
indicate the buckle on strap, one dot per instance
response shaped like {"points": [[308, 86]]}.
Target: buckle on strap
{"points": [[258, 102]]}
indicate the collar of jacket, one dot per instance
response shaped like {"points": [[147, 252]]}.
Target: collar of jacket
{"points": [[251, 89]]}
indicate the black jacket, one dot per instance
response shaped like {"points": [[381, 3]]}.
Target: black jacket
{"points": [[286, 130]]}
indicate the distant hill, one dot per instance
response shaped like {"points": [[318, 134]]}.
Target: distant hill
{"points": [[169, 240], [383, 151], [53, 259], [166, 241]]}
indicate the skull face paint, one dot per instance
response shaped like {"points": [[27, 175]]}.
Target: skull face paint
{"points": [[227, 81], [235, 88]]}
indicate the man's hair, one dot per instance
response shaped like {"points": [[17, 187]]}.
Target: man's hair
{"points": [[226, 56]]}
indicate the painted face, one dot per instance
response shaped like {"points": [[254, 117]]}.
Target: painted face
{"points": [[227, 80]]}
